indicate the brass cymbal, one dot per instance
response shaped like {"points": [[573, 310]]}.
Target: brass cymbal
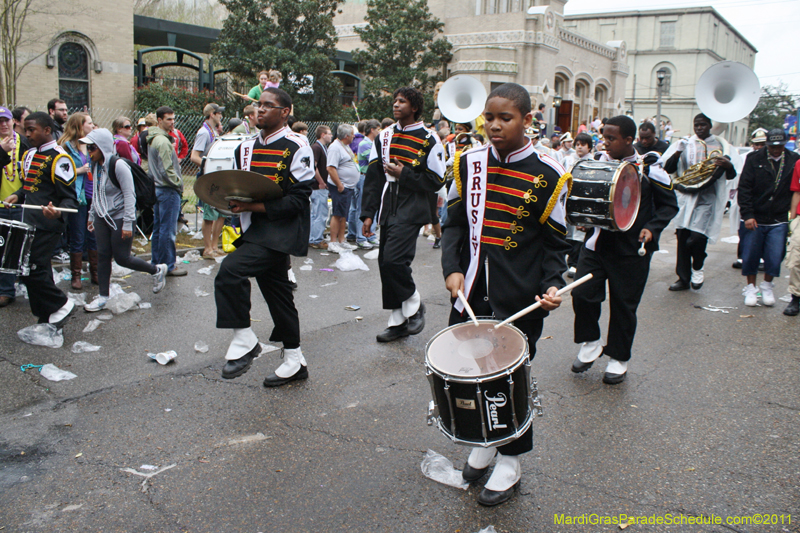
{"points": [[218, 188]]}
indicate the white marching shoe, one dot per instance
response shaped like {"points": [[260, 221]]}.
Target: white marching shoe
{"points": [[293, 368], [589, 353], [478, 463], [697, 279], [243, 349], [503, 481], [59, 317], [615, 372]]}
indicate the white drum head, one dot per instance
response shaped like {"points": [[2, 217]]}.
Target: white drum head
{"points": [[467, 351]]}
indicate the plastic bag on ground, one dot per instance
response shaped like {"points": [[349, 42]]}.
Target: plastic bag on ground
{"points": [[192, 256], [42, 335], [439, 468], [114, 290], [200, 292], [348, 262], [105, 316], [201, 347], [145, 305], [488, 529], [92, 325], [198, 236], [77, 299], [53, 373], [84, 347], [308, 261], [123, 302], [206, 270], [220, 259], [306, 267], [372, 255], [118, 271]]}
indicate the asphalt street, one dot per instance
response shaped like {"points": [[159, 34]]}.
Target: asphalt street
{"points": [[705, 425]]}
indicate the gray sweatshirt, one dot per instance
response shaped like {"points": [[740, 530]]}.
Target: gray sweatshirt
{"points": [[110, 202]]}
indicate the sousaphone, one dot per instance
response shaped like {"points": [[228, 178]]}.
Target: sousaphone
{"points": [[462, 99]]}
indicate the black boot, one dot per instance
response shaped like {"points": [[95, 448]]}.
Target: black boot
{"points": [[794, 307]]}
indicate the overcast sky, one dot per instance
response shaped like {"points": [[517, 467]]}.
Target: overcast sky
{"points": [[770, 25]]}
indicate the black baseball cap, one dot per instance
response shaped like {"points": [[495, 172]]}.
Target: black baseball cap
{"points": [[776, 137]]}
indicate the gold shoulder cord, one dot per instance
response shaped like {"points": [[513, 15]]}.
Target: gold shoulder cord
{"points": [[457, 171], [566, 178]]}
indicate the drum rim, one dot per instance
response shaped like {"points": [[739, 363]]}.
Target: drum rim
{"points": [[17, 223], [612, 193], [525, 356], [485, 444]]}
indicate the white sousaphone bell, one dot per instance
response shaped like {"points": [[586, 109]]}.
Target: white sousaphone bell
{"points": [[462, 99], [727, 91]]}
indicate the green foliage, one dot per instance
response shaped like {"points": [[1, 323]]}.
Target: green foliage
{"points": [[183, 101], [772, 108], [296, 37], [402, 49]]}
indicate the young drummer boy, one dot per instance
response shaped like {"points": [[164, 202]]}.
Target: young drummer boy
{"points": [[504, 247]]}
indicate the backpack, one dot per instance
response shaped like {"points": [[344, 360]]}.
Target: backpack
{"points": [[143, 185]]}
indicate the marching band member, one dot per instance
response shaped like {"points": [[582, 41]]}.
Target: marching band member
{"points": [[504, 247], [575, 237], [700, 216], [648, 142], [406, 166], [272, 230], [613, 256]]}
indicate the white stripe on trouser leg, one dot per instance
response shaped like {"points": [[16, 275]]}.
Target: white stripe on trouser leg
{"points": [[481, 457], [409, 308], [292, 360], [59, 315], [244, 340], [505, 474]]}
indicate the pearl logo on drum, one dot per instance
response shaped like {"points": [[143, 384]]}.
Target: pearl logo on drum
{"points": [[492, 405]]}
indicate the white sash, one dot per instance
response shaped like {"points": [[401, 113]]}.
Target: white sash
{"points": [[475, 204], [386, 144]]}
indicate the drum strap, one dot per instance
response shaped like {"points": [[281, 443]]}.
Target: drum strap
{"points": [[475, 202]]}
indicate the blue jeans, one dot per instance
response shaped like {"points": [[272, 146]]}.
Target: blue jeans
{"points": [[353, 223], [764, 242], [319, 215], [165, 226], [7, 280], [80, 238]]}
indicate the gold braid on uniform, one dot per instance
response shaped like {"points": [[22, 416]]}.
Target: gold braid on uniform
{"points": [[551, 204], [457, 171]]}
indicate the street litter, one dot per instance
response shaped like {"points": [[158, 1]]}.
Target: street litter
{"points": [[192, 256], [118, 271], [714, 308], [488, 529], [324, 253], [42, 335], [247, 439], [747, 316], [53, 373], [105, 316], [359, 318], [201, 347], [733, 239], [372, 255], [206, 270], [114, 290], [349, 262], [142, 241], [148, 467], [162, 358], [77, 299], [200, 292], [147, 476], [329, 284], [92, 325], [306, 267], [786, 298], [145, 305], [84, 347], [197, 235], [266, 348], [352, 308], [20, 290], [123, 302], [308, 261], [313, 296], [326, 269], [440, 469], [220, 259]]}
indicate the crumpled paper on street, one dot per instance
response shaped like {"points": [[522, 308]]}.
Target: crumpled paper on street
{"points": [[53, 373], [42, 335], [348, 262], [439, 468]]}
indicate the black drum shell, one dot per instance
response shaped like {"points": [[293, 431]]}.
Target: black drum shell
{"points": [[16, 239]]}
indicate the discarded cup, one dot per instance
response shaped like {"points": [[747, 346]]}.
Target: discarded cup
{"points": [[201, 347], [165, 357]]}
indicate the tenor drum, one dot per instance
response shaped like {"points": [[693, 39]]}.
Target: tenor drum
{"points": [[15, 247], [605, 194], [220, 155], [480, 378]]}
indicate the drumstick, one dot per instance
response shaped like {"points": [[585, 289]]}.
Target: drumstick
{"points": [[642, 251], [245, 96], [39, 207], [467, 307], [538, 304]]}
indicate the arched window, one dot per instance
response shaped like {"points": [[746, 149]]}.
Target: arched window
{"points": [[666, 84], [73, 75]]}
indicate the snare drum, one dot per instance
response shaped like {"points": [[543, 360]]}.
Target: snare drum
{"points": [[220, 154], [15, 247], [604, 194], [480, 378]]}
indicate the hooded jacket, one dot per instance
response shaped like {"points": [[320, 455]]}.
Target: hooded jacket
{"points": [[162, 161], [110, 202]]}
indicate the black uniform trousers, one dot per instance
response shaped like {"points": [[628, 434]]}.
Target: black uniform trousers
{"points": [[44, 296], [691, 253], [232, 291], [531, 328], [395, 255], [627, 277]]}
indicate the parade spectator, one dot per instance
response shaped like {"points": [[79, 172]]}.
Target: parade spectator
{"points": [[139, 141], [249, 123], [165, 169], [80, 238], [371, 129], [121, 128], [319, 194], [113, 215], [793, 261], [300, 128], [343, 178], [386, 123], [180, 143], [57, 109], [212, 219], [359, 136], [263, 80], [19, 115]]}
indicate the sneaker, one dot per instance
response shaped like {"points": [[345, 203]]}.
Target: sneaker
{"points": [[176, 272], [333, 247], [346, 246], [321, 245], [374, 241], [767, 297], [571, 272], [697, 279], [159, 278], [750, 295], [365, 245], [99, 302]]}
